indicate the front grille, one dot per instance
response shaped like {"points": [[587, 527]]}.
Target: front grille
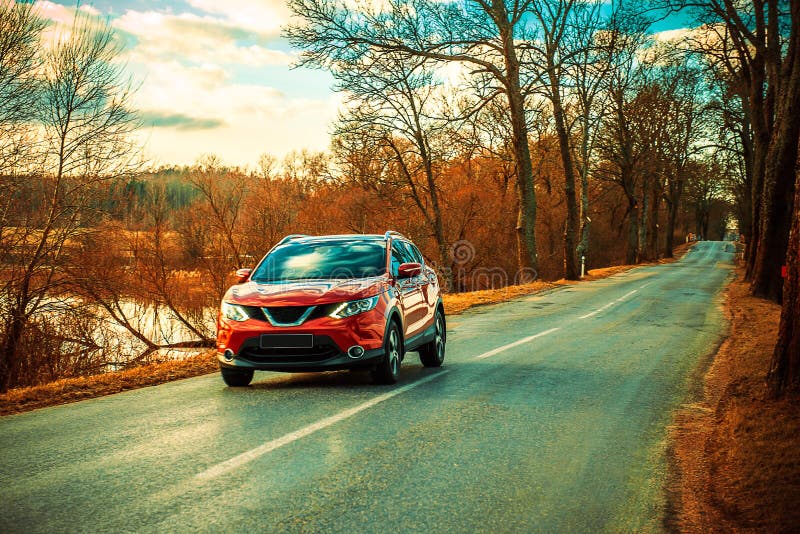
{"points": [[286, 314], [292, 314], [254, 312]]}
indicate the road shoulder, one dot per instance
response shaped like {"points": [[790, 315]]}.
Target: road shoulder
{"points": [[734, 460]]}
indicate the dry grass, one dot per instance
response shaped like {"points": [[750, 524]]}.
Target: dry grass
{"points": [[455, 303], [74, 389], [736, 452]]}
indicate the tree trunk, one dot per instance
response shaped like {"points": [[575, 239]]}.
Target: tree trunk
{"points": [[632, 251], [643, 224], [583, 246], [779, 184], [585, 224], [523, 258], [653, 231], [784, 374], [775, 224], [761, 136], [522, 151], [9, 372], [672, 219], [746, 207], [10, 367], [571, 227]]}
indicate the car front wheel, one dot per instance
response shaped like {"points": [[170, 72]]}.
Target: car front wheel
{"points": [[236, 378], [388, 369]]}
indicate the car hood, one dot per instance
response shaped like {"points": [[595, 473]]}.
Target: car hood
{"points": [[305, 292]]}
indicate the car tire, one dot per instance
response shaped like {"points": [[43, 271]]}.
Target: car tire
{"points": [[388, 369], [236, 378], [431, 354]]}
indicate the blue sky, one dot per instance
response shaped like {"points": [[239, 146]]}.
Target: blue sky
{"points": [[215, 77]]}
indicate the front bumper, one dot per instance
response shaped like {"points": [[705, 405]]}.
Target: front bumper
{"points": [[332, 339], [323, 356]]}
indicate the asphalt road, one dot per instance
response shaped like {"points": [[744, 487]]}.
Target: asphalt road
{"points": [[549, 415]]}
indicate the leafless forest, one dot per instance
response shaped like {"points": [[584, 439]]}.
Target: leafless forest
{"points": [[504, 137]]}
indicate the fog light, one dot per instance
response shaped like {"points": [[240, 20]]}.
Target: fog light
{"points": [[355, 352], [228, 355]]}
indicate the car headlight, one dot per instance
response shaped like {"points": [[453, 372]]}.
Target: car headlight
{"points": [[354, 307], [233, 312]]}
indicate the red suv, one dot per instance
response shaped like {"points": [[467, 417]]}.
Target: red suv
{"points": [[323, 303]]}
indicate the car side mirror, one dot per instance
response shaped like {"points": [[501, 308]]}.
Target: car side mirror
{"points": [[409, 270], [243, 275]]}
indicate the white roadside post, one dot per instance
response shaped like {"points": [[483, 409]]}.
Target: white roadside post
{"points": [[583, 266]]}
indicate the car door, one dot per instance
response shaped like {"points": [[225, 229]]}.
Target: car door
{"points": [[429, 287], [409, 293]]}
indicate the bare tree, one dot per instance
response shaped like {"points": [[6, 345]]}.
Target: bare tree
{"points": [[684, 134], [86, 123], [272, 206], [223, 192], [618, 144], [758, 43], [393, 107], [563, 53], [703, 188], [489, 37], [587, 70], [486, 135], [156, 257], [20, 31]]}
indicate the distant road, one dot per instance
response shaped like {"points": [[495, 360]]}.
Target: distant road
{"points": [[549, 415]]}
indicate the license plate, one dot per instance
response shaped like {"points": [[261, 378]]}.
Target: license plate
{"points": [[287, 341]]}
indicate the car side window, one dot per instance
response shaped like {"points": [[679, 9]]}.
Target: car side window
{"points": [[415, 253], [399, 255]]}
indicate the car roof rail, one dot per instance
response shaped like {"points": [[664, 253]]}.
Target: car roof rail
{"points": [[291, 237], [392, 233]]}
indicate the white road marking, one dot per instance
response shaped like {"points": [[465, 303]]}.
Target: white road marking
{"points": [[623, 297], [248, 456], [598, 310], [626, 295], [514, 344], [645, 285]]}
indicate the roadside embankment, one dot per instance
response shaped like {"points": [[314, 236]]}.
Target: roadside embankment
{"points": [[735, 452], [74, 389]]}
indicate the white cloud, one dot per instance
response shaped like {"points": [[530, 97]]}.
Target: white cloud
{"points": [[61, 19], [673, 35], [62, 14], [262, 16], [247, 119], [195, 39], [707, 35]]}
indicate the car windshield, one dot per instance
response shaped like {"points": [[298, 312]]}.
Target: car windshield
{"points": [[323, 260]]}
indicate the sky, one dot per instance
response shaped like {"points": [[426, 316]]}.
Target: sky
{"points": [[215, 77]]}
